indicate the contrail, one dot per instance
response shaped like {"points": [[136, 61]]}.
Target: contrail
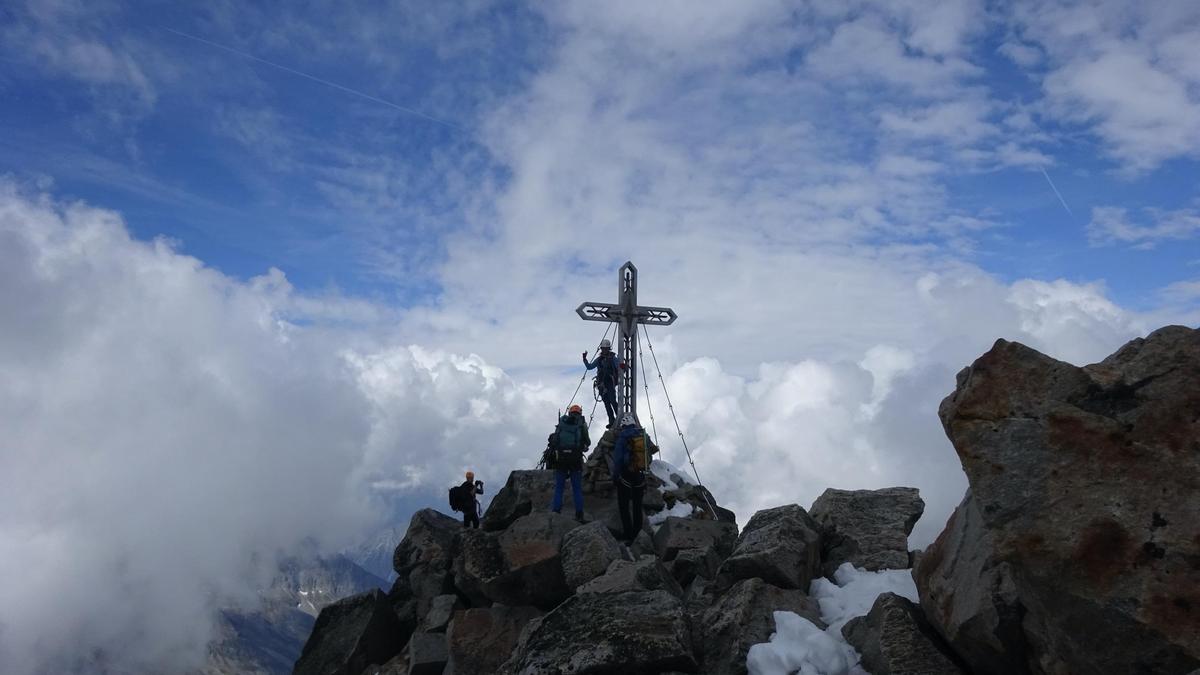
{"points": [[1056, 192], [314, 78]]}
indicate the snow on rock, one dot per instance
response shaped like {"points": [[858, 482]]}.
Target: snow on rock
{"points": [[799, 645], [680, 510], [663, 470], [855, 591]]}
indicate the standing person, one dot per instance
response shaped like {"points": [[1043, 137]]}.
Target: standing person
{"points": [[606, 365], [470, 503], [568, 444], [631, 458]]}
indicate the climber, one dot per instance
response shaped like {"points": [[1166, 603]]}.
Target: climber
{"points": [[566, 448], [470, 504], [630, 459], [606, 364]]}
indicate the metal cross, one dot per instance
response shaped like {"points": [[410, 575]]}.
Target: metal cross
{"points": [[627, 314]]}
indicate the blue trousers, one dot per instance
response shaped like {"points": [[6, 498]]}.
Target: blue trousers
{"points": [[609, 396], [560, 480]]}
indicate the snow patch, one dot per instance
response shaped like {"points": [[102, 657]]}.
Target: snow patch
{"points": [[663, 469], [798, 645], [680, 510]]}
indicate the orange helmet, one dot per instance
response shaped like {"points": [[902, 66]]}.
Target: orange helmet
{"points": [[575, 408]]}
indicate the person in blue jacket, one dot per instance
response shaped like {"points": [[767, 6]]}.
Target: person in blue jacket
{"points": [[630, 482], [606, 364]]}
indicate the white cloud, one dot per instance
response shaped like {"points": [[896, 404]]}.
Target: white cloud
{"points": [[1112, 225], [1123, 71], [168, 431]]}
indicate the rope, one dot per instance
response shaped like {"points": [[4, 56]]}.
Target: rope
{"points": [[585, 372], [646, 385], [671, 407]]}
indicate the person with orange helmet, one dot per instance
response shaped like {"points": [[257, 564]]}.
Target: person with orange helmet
{"points": [[567, 446]]}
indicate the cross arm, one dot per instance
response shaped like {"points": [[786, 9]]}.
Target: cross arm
{"points": [[656, 316], [598, 311]]}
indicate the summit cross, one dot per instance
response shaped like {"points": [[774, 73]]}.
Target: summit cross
{"points": [[627, 314]]}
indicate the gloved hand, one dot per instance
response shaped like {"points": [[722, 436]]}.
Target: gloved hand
{"points": [[585, 356]]}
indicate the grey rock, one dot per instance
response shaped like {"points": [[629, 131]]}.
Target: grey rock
{"points": [[646, 574], [636, 633], [350, 635], [676, 534], [587, 552], [780, 545], [690, 563], [744, 616], [1086, 479], [480, 640], [519, 566], [523, 493], [427, 654], [895, 639], [969, 596], [441, 610], [422, 560], [867, 528]]}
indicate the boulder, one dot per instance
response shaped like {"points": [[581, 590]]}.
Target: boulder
{"points": [[970, 598], [482, 639], [635, 633], [1086, 479], [690, 563], [519, 566], [350, 635], [867, 528], [744, 616], [895, 639], [427, 654], [780, 545], [441, 610], [423, 559], [699, 497], [677, 534], [647, 574], [523, 493], [587, 552]]}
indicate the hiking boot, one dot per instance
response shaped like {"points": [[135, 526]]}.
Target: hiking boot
{"points": [[558, 511], [579, 516]]}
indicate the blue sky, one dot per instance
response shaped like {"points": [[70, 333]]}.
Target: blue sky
{"points": [[281, 311], [249, 166]]}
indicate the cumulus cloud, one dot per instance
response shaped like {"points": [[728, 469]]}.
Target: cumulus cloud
{"points": [[169, 431]]}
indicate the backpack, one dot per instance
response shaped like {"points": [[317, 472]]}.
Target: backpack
{"points": [[456, 502], [639, 456], [568, 435]]}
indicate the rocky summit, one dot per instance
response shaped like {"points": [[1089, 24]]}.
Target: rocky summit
{"points": [[1076, 550]]}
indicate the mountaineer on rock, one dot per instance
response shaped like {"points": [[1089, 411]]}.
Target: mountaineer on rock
{"points": [[606, 365], [566, 448], [466, 500], [630, 459]]}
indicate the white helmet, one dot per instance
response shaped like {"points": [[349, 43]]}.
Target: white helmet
{"points": [[627, 420], [605, 344]]}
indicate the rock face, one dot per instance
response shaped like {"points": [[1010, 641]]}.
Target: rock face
{"points": [[970, 596], [519, 566], [351, 634], [677, 534], [868, 528], [780, 546], [647, 574], [1085, 481], [640, 632], [895, 639], [587, 552], [480, 640], [523, 493], [423, 559], [742, 618]]}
